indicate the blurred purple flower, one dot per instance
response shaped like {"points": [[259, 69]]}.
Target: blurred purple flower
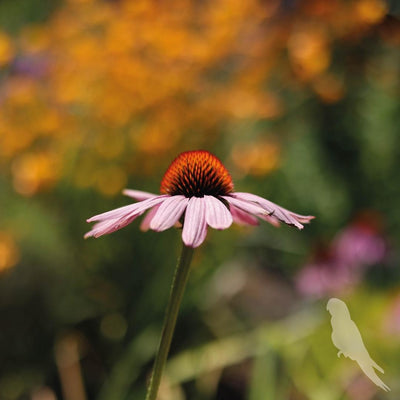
{"points": [[360, 245], [325, 276], [35, 66], [339, 266]]}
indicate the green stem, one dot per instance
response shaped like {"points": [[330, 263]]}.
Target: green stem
{"points": [[171, 314]]}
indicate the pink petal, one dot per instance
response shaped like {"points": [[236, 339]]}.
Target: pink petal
{"points": [[169, 213], [247, 207], [113, 220], [218, 215], [96, 228], [271, 219], [116, 213], [138, 194], [139, 207], [109, 226], [195, 226], [145, 225], [305, 219], [242, 217], [274, 210]]}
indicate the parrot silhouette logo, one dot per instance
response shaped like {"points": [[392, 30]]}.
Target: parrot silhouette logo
{"points": [[347, 338]]}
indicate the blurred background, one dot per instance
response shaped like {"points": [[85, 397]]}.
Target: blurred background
{"points": [[299, 99]]}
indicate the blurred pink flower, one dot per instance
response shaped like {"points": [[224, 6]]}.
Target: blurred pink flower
{"points": [[197, 191], [325, 277], [361, 244], [340, 265]]}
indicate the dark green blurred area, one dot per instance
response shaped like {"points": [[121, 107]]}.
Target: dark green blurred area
{"points": [[87, 313], [15, 14]]}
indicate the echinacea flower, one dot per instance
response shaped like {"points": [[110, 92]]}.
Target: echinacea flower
{"points": [[196, 191]]}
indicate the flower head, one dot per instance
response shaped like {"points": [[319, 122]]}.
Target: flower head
{"points": [[196, 191]]}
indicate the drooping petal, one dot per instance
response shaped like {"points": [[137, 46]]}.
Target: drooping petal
{"points": [[113, 220], [96, 228], [242, 217], [110, 225], [116, 213], [274, 210], [218, 215], [271, 219], [169, 213], [139, 207], [138, 194], [145, 224], [243, 213], [304, 219], [247, 207], [195, 226]]}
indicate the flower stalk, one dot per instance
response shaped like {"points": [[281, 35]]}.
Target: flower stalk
{"points": [[177, 289]]}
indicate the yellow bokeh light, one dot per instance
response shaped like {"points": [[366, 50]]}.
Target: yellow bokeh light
{"points": [[9, 254], [371, 11], [111, 180], [33, 171], [100, 75], [6, 49], [309, 50], [329, 87], [256, 159]]}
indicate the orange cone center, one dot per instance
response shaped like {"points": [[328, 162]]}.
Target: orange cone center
{"points": [[196, 173]]}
